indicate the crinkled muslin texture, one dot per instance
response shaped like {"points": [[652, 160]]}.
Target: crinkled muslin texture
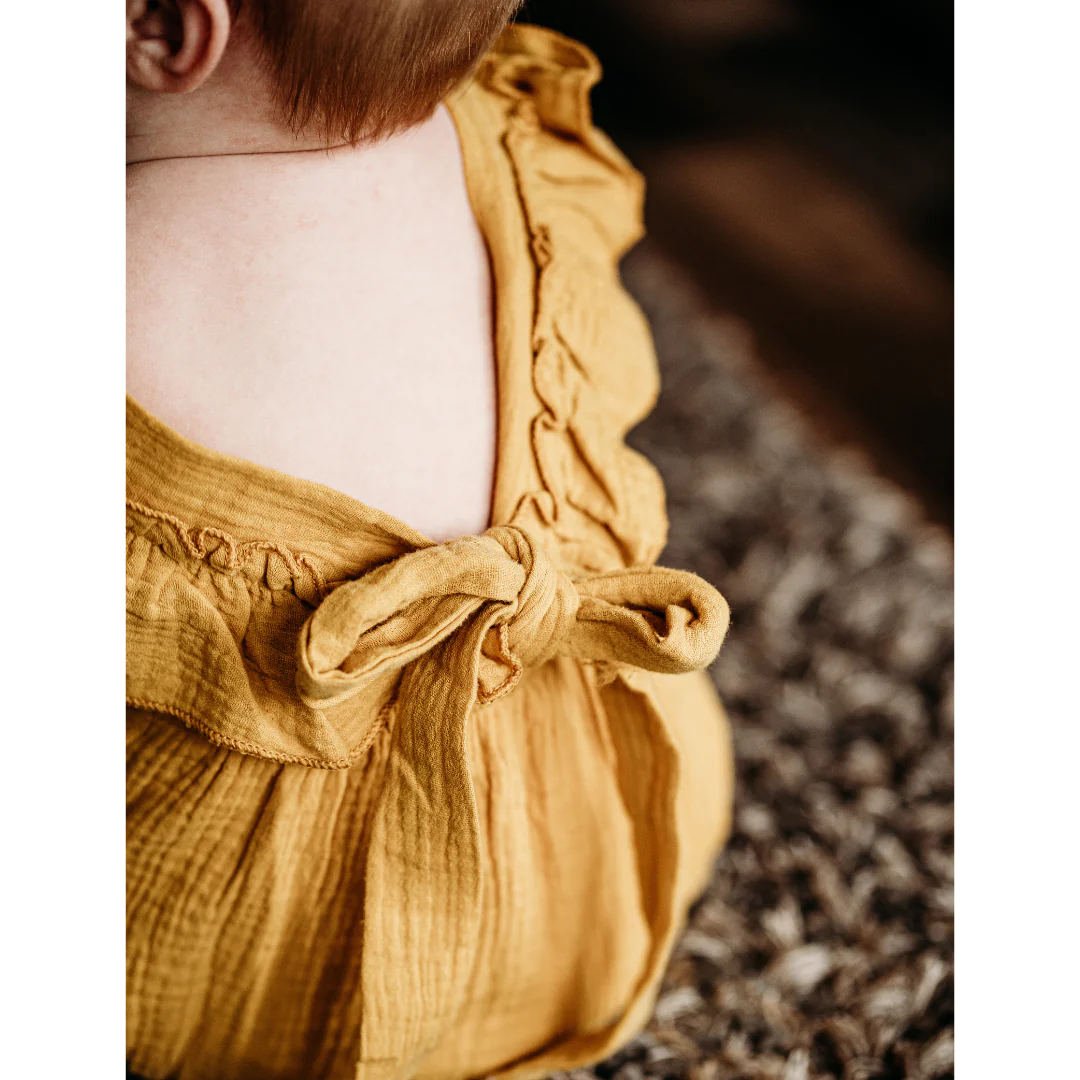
{"points": [[398, 808]]}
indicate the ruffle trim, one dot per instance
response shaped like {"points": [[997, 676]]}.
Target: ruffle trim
{"points": [[212, 735], [291, 569], [594, 369], [212, 625]]}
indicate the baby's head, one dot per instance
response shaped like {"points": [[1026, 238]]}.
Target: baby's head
{"points": [[348, 70]]}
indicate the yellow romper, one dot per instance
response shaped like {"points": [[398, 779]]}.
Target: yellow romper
{"points": [[398, 808]]}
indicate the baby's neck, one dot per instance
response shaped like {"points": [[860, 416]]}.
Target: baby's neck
{"points": [[234, 112]]}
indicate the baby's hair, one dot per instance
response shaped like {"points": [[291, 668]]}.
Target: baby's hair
{"points": [[356, 70]]}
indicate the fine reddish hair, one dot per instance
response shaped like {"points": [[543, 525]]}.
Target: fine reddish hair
{"points": [[356, 70]]}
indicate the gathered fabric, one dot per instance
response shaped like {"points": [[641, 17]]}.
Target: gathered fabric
{"points": [[404, 809]]}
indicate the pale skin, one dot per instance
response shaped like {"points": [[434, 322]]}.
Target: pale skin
{"points": [[325, 313]]}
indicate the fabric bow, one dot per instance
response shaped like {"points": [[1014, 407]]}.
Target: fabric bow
{"points": [[529, 611], [465, 619]]}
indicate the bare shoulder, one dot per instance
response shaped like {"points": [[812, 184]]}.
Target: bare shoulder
{"points": [[326, 315]]}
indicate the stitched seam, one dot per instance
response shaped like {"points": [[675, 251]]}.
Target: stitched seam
{"points": [[253, 750], [237, 553]]}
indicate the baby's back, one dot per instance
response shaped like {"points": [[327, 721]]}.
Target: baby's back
{"points": [[326, 315]]}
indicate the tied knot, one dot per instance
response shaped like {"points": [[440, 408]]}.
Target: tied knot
{"points": [[532, 628], [495, 605]]}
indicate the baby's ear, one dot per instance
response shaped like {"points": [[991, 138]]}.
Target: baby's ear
{"points": [[174, 45]]}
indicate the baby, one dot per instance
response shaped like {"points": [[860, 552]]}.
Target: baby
{"points": [[423, 771]]}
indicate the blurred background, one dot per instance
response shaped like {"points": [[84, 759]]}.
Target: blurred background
{"points": [[798, 155]]}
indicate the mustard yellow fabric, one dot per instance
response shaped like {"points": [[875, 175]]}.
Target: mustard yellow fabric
{"points": [[403, 809]]}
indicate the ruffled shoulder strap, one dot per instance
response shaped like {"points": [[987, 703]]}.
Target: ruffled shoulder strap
{"points": [[594, 373], [555, 75]]}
